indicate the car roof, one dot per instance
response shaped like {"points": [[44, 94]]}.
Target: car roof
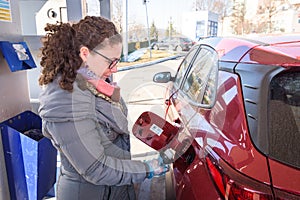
{"points": [[282, 50]]}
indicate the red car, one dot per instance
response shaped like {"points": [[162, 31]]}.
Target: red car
{"points": [[233, 112]]}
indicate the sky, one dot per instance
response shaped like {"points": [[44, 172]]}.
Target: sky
{"points": [[159, 11]]}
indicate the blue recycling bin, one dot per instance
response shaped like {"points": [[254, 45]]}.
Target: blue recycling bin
{"points": [[30, 158]]}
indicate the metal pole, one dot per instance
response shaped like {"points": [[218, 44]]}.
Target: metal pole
{"points": [[149, 43], [125, 30], [170, 23]]}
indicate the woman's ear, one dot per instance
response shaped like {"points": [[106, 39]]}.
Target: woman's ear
{"points": [[84, 52]]}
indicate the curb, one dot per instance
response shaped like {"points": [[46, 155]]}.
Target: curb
{"points": [[140, 65]]}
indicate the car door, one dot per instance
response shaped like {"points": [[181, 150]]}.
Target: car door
{"points": [[194, 86], [172, 91], [194, 89]]}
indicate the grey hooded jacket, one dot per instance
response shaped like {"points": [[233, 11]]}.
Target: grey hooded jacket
{"points": [[94, 149]]}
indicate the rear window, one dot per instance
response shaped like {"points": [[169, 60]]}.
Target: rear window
{"points": [[284, 118]]}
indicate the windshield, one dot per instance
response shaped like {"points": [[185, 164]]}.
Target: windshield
{"points": [[284, 118]]}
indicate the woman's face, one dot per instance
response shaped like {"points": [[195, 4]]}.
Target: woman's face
{"points": [[103, 61]]}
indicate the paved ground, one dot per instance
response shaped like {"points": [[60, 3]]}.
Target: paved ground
{"points": [[142, 94]]}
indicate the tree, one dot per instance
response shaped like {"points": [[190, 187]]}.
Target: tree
{"points": [[203, 5], [136, 31], [216, 6], [170, 30], [117, 14], [153, 31], [238, 17], [266, 10]]}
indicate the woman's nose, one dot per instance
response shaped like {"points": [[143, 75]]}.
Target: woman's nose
{"points": [[114, 69]]}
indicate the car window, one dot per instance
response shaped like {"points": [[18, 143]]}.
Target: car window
{"points": [[185, 40], [183, 66], [284, 118], [200, 83], [210, 90]]}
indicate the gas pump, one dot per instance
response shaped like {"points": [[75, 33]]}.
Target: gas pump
{"points": [[21, 25]]}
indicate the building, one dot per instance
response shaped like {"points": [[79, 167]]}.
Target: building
{"points": [[199, 24], [288, 17]]}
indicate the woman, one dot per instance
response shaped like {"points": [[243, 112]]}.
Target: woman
{"points": [[84, 115]]}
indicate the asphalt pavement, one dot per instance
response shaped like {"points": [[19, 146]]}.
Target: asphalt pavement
{"points": [[142, 94]]}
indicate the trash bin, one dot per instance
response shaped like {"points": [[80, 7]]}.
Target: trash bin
{"points": [[30, 158]]}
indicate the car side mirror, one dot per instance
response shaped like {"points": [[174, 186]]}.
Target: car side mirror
{"points": [[163, 77]]}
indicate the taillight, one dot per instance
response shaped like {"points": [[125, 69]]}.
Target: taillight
{"points": [[232, 190], [240, 193], [217, 176]]}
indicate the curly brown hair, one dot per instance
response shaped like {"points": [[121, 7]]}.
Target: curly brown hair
{"points": [[62, 43]]}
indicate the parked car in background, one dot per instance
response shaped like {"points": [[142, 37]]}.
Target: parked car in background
{"points": [[174, 44], [236, 102]]}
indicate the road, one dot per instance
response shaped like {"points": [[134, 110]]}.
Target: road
{"points": [[142, 94]]}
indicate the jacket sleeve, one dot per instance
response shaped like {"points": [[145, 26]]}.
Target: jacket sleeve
{"points": [[81, 143]]}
